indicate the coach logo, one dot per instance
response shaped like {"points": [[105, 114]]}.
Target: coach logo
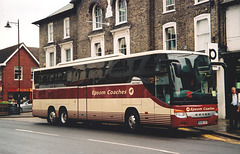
{"points": [[131, 91], [188, 109]]}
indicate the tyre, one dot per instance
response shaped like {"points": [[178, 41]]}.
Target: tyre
{"points": [[132, 121], [21, 110], [52, 118], [64, 117]]}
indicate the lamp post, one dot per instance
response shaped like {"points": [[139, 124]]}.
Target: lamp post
{"points": [[19, 70]]}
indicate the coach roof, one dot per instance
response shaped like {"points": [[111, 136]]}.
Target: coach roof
{"points": [[116, 57]]}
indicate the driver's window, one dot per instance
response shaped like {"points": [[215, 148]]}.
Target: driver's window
{"points": [[158, 86]]}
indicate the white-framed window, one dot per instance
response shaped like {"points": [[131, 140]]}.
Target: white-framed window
{"points": [[32, 69], [51, 59], [68, 55], [50, 32], [50, 54], [121, 11], [18, 73], [202, 31], [97, 45], [122, 45], [66, 28], [200, 1], [98, 49], [168, 6], [66, 51], [233, 27], [121, 40], [170, 36], [97, 17]]}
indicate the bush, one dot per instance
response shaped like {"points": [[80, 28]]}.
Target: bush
{"points": [[5, 102]]}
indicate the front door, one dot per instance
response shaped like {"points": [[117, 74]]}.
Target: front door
{"points": [[162, 103]]}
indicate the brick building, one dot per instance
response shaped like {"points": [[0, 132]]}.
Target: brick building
{"points": [[9, 71], [89, 28], [99, 27], [230, 45]]}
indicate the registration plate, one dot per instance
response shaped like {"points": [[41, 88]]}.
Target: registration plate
{"points": [[202, 122]]}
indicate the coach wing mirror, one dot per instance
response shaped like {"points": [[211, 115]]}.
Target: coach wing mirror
{"points": [[219, 64], [178, 69], [176, 64]]}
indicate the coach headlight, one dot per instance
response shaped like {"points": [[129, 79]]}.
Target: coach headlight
{"points": [[180, 113], [216, 112]]}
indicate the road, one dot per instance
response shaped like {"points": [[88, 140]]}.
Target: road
{"points": [[34, 135]]}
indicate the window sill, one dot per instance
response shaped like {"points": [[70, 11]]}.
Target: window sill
{"points": [[120, 27], [66, 37], [120, 23], [199, 3], [96, 29], [50, 42], [166, 12]]}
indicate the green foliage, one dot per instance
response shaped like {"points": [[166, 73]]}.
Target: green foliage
{"points": [[5, 102]]}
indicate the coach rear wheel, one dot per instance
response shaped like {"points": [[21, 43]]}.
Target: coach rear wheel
{"points": [[132, 121], [64, 117], [52, 119]]}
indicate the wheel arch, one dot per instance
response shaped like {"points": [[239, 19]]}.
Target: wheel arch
{"points": [[51, 108], [62, 108], [129, 110]]}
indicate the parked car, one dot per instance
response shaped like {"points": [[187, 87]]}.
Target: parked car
{"points": [[26, 106]]}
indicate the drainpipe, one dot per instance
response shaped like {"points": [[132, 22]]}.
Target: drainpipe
{"points": [[151, 24]]}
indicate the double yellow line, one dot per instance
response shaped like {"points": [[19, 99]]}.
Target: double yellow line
{"points": [[212, 137]]}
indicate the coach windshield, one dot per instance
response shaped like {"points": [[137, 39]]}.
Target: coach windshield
{"points": [[195, 84]]}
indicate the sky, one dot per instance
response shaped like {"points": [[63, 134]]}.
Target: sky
{"points": [[27, 11]]}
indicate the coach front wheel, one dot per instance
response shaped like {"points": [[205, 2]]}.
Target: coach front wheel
{"points": [[132, 121]]}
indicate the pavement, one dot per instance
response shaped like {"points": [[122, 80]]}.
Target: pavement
{"points": [[22, 115], [222, 128]]}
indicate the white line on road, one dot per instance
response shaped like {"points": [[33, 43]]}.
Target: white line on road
{"points": [[41, 133], [134, 146]]}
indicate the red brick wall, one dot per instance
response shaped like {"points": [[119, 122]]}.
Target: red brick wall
{"points": [[26, 61]]}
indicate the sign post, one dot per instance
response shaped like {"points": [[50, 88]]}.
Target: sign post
{"points": [[213, 54]]}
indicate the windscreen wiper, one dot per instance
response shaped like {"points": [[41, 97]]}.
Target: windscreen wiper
{"points": [[186, 97], [192, 93]]}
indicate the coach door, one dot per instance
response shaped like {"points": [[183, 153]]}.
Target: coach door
{"points": [[82, 103], [79, 78], [90, 104], [162, 105]]}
